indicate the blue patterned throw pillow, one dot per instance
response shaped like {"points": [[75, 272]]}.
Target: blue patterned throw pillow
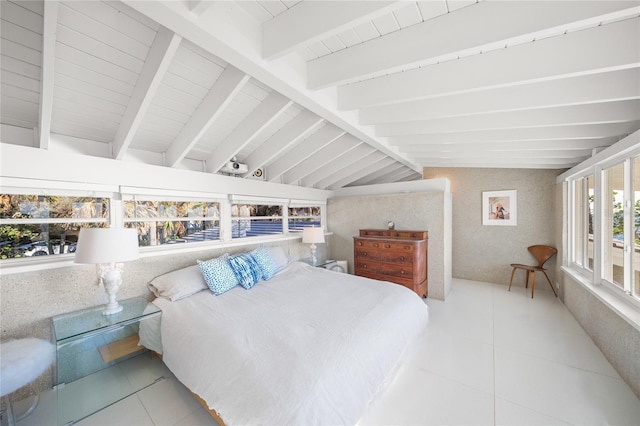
{"points": [[218, 274], [246, 269], [262, 255]]}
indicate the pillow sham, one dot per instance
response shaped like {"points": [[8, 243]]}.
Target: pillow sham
{"points": [[246, 269], [178, 284], [218, 274], [280, 258], [262, 256]]}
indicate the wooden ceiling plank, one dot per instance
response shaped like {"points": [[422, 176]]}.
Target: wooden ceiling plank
{"points": [[600, 49], [602, 87], [219, 97], [610, 112], [291, 134], [320, 158], [47, 78], [485, 26], [155, 66], [312, 21], [337, 162], [349, 174], [264, 114], [372, 177]]}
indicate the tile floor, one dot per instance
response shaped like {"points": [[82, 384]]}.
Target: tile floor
{"points": [[489, 357]]}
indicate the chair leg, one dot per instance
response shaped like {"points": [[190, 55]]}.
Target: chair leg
{"points": [[511, 280], [533, 282], [526, 284], [554, 290]]}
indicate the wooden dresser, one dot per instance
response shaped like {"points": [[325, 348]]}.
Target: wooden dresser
{"points": [[390, 255]]}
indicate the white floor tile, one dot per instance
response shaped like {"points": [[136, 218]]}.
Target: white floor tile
{"points": [[44, 413], [510, 414], [127, 412], [422, 398], [200, 417], [168, 402], [566, 393]]}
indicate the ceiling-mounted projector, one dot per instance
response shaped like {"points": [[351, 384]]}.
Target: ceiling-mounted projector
{"points": [[235, 168]]}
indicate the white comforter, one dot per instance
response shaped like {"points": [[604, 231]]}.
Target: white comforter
{"points": [[309, 346]]}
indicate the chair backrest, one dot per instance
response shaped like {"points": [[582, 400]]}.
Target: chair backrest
{"points": [[542, 253]]}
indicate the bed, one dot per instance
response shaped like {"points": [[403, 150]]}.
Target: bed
{"points": [[308, 346]]}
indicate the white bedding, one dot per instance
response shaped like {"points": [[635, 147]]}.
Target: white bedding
{"points": [[309, 346]]}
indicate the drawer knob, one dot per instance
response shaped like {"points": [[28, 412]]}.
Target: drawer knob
{"points": [[364, 253], [387, 245], [375, 244], [402, 272], [402, 258]]}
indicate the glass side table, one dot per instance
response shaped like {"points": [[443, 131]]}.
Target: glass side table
{"points": [[320, 262], [98, 360]]}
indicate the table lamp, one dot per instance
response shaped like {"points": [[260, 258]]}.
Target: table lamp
{"points": [[107, 247], [313, 235]]}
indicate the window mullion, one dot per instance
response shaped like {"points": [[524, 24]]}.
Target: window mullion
{"points": [[628, 226]]}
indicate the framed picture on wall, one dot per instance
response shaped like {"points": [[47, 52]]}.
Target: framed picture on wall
{"points": [[499, 208]]}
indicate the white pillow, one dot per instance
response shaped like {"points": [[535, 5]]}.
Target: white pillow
{"points": [[178, 284], [280, 258]]}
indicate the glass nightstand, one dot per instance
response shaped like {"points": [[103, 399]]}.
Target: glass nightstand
{"points": [[98, 360], [320, 262]]}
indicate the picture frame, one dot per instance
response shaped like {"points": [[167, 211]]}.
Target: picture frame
{"points": [[499, 208]]}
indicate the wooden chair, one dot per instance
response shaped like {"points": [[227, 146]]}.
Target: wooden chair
{"points": [[542, 254]]}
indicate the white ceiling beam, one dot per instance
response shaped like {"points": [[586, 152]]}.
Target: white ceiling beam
{"points": [[600, 49], [505, 163], [372, 177], [263, 115], [228, 34], [569, 144], [161, 53], [589, 131], [586, 89], [485, 26], [329, 152], [312, 21], [47, 72], [350, 174], [305, 149], [292, 133], [230, 82], [610, 112], [481, 152], [337, 163]]}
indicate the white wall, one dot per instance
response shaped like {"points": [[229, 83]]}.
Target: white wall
{"points": [[484, 253], [421, 205]]}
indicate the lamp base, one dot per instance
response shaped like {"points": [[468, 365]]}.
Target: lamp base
{"points": [[110, 309], [111, 278]]}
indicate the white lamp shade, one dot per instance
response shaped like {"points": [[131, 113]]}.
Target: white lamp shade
{"points": [[313, 235], [106, 245]]}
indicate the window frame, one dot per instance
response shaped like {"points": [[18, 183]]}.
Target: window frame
{"points": [[595, 280]]}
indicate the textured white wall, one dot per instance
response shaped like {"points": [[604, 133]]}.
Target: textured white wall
{"points": [[484, 253], [411, 211]]}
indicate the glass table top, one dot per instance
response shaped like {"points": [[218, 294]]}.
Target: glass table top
{"points": [[88, 321], [319, 261]]}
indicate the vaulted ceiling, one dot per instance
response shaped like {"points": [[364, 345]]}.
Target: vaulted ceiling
{"points": [[323, 94]]}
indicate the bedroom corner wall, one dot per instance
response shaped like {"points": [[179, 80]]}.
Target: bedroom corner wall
{"points": [[412, 211], [484, 253], [29, 300]]}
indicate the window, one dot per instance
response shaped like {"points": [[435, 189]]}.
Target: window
{"points": [[614, 262], [171, 222], [250, 220], [604, 228], [302, 217], [43, 225], [583, 222]]}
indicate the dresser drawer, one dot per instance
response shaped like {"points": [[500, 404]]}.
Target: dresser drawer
{"points": [[373, 254], [384, 271], [370, 245]]}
